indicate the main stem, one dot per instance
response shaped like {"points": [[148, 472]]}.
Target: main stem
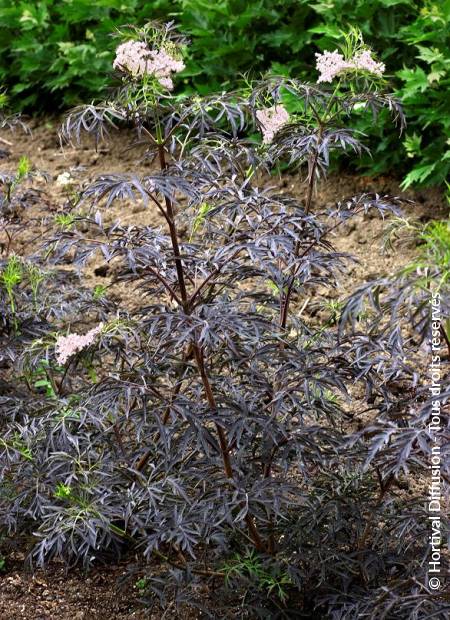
{"points": [[286, 300], [198, 353], [174, 234], [284, 306]]}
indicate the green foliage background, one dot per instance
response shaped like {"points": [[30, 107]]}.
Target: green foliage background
{"points": [[56, 53]]}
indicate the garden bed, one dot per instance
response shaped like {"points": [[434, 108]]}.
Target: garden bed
{"points": [[53, 594], [363, 237]]}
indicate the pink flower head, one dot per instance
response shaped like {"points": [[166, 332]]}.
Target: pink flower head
{"points": [[271, 120], [162, 64], [66, 346], [132, 56], [137, 59], [332, 64], [166, 82], [364, 61], [329, 65]]}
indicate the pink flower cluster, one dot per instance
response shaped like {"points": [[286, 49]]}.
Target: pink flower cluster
{"points": [[66, 346], [364, 62], [271, 120], [331, 64], [136, 58], [132, 56]]}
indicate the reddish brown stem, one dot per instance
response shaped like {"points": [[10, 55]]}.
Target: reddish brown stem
{"points": [[199, 358], [285, 302], [384, 488], [173, 233], [198, 353]]}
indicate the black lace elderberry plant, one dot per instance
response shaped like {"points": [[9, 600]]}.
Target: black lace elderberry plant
{"points": [[320, 123], [209, 424]]}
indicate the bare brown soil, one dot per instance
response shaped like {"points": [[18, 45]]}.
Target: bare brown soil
{"points": [[53, 594], [362, 237]]}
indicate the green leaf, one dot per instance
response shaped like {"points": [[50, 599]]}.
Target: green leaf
{"points": [[41, 383], [412, 144], [390, 3], [417, 175], [329, 30], [429, 55], [435, 76], [416, 80]]}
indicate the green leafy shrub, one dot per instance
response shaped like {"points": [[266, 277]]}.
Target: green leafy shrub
{"points": [[59, 53], [424, 94], [54, 52]]}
